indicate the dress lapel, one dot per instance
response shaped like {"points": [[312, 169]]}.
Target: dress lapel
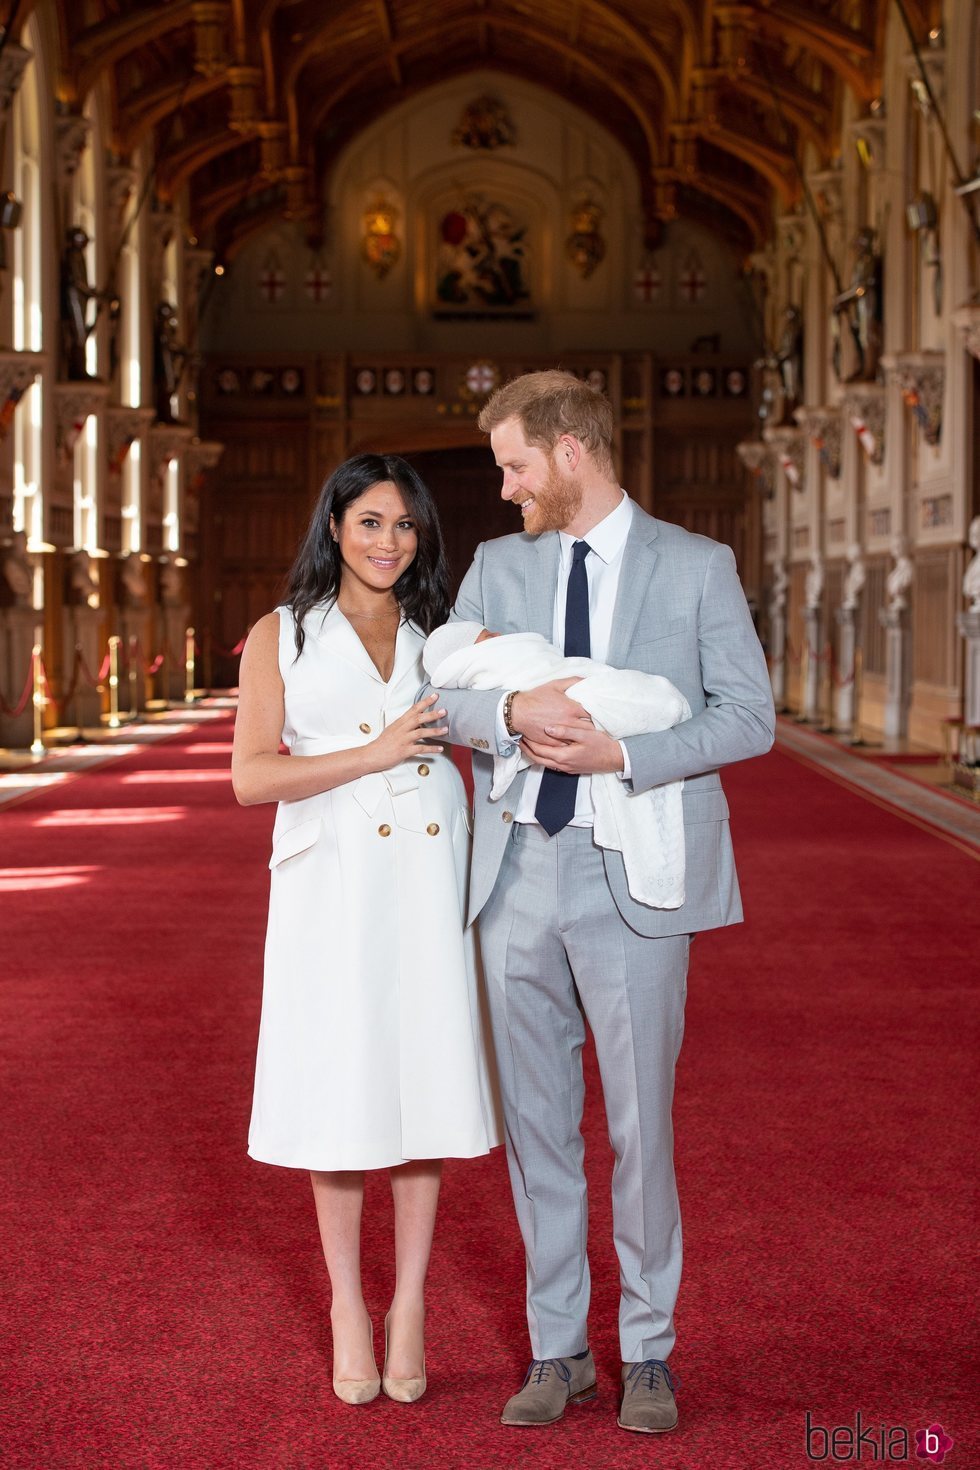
{"points": [[337, 633], [639, 559]]}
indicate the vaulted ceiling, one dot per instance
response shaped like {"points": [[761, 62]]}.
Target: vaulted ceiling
{"points": [[251, 101]]}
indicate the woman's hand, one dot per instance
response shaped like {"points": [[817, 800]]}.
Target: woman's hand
{"points": [[406, 738]]}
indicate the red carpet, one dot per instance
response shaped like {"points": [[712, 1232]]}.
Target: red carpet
{"points": [[167, 1301]]}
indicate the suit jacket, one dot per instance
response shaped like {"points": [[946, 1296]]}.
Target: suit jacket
{"points": [[680, 612]]}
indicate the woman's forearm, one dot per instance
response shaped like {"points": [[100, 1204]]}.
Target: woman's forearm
{"points": [[267, 776]]}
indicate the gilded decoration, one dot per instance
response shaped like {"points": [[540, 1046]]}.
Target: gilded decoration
{"points": [[380, 245], [585, 246], [484, 125], [481, 260]]}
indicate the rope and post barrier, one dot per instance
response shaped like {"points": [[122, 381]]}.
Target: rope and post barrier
{"points": [[39, 700], [189, 646], [133, 674], [114, 718]]}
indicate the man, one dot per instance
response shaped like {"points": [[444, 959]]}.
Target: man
{"points": [[563, 941]]}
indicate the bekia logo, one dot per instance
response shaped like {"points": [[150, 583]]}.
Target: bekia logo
{"points": [[932, 1444], [878, 1443]]}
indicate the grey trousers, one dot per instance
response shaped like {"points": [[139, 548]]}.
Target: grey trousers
{"points": [[554, 947]]}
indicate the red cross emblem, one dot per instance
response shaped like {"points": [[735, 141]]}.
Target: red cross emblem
{"points": [[272, 283], [318, 284], [646, 284], [693, 283]]}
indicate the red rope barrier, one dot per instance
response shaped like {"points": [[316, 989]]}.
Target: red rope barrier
{"points": [[18, 709], [229, 652], [155, 664], [94, 679]]}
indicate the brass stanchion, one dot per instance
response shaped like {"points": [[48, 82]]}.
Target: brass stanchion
{"points": [[38, 700], [189, 666], [114, 721], [133, 675]]}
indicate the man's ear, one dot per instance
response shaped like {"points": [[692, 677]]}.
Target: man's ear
{"points": [[569, 452]]}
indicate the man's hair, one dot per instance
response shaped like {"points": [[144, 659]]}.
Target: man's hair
{"points": [[549, 404]]}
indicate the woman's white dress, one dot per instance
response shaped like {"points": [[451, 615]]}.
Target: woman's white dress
{"points": [[372, 1045]]}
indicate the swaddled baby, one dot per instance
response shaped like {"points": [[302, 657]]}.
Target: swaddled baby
{"points": [[648, 829]]}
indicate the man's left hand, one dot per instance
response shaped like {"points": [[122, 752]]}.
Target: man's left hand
{"points": [[580, 750]]}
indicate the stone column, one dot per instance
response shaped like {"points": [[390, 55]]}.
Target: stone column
{"points": [[894, 620], [810, 706], [969, 625], [844, 709]]}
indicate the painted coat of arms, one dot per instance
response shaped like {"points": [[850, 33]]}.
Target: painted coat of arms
{"points": [[481, 261], [485, 124]]}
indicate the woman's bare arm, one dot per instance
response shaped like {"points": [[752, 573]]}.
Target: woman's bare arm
{"points": [[260, 773]]}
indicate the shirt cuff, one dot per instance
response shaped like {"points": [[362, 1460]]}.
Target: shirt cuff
{"points": [[505, 740], [626, 774]]}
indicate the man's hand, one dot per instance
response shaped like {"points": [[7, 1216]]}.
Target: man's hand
{"points": [[579, 749], [533, 709]]}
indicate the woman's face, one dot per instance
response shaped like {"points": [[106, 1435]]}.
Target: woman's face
{"points": [[377, 538]]}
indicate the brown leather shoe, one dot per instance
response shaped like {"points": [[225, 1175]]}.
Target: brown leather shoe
{"points": [[647, 1403], [549, 1385]]}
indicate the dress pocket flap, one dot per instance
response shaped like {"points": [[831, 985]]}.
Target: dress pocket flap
{"points": [[294, 840], [705, 806]]}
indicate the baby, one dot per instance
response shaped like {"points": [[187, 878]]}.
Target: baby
{"points": [[647, 829]]}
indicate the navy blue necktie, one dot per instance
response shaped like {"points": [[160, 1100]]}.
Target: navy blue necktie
{"points": [[555, 805]]}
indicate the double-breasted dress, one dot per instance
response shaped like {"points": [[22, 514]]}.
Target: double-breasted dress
{"points": [[372, 1047]]}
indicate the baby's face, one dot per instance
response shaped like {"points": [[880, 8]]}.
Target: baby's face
{"points": [[482, 637]]}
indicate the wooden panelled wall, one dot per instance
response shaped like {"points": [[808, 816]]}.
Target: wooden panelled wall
{"points": [[287, 423]]}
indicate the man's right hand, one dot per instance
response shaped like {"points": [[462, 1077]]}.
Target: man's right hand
{"points": [[532, 709]]}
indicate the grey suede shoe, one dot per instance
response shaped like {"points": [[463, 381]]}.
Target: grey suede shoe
{"points": [[648, 1404], [549, 1385]]}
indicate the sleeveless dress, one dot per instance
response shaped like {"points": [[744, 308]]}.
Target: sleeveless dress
{"points": [[373, 1049]]}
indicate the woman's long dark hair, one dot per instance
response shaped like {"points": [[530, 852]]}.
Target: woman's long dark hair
{"points": [[422, 589]]}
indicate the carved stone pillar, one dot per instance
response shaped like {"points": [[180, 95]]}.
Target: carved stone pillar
{"points": [[968, 624], [844, 706], [898, 642]]}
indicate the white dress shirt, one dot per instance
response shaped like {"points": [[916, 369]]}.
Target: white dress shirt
{"points": [[607, 542]]}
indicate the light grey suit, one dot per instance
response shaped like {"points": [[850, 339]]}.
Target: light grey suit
{"points": [[561, 935]]}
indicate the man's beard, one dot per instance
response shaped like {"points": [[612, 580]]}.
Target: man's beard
{"points": [[556, 504]]}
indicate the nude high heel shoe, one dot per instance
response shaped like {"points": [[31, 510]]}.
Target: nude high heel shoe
{"points": [[402, 1390], [357, 1390]]}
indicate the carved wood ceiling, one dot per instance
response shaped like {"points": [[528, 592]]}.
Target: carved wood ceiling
{"points": [[251, 101]]}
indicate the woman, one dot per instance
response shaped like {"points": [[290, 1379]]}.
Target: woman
{"points": [[371, 1049]]}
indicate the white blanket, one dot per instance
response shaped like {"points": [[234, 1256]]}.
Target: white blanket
{"points": [[648, 829]]}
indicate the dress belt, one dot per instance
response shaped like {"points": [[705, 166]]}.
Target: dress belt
{"points": [[401, 784]]}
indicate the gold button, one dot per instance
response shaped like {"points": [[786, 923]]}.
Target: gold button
{"points": [[384, 830], [508, 816], [364, 729], [433, 829], [423, 770]]}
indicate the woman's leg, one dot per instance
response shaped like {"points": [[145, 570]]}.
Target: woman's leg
{"points": [[415, 1190], [339, 1197]]}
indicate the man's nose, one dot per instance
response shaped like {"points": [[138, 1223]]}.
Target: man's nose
{"points": [[508, 487]]}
